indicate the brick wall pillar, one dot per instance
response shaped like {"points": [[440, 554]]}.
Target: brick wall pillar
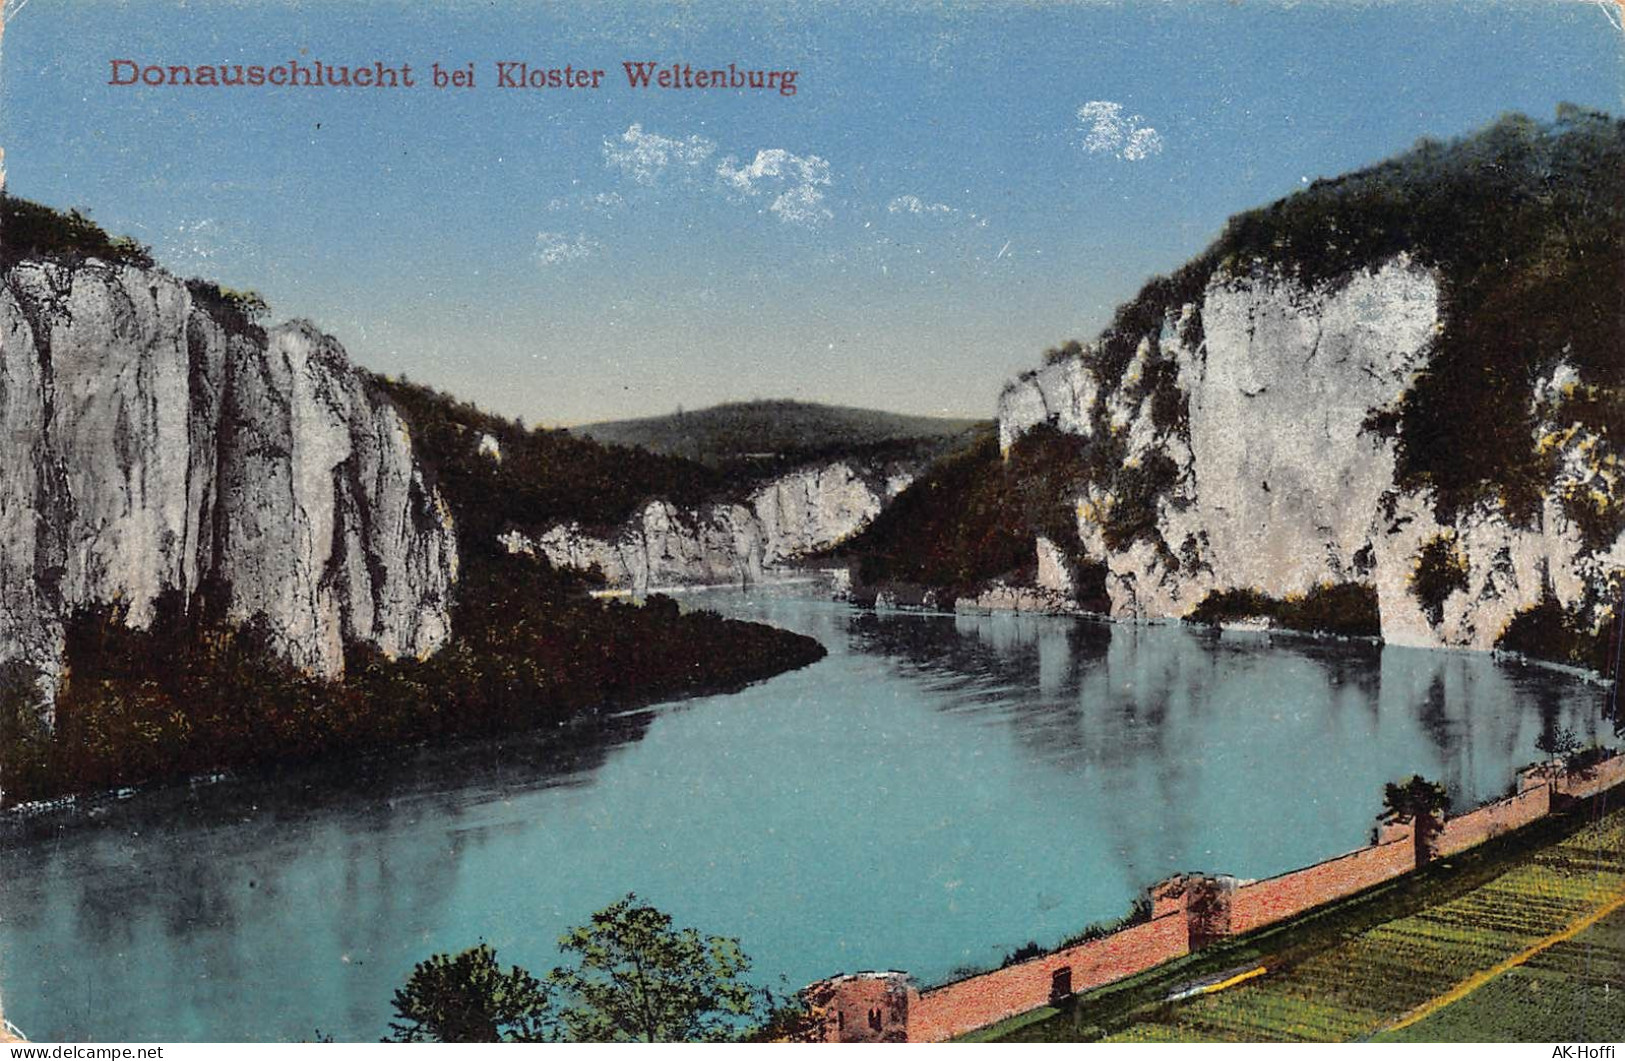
{"points": [[1205, 900], [862, 1008]]}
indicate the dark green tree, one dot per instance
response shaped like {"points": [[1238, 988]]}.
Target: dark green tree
{"points": [[639, 979], [1421, 802], [1558, 745], [467, 998]]}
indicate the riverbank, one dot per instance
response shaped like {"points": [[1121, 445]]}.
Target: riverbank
{"points": [[191, 697], [1004, 598]]}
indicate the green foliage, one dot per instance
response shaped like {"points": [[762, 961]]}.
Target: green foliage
{"points": [[28, 229], [467, 998], [1344, 609], [195, 693], [1441, 570], [544, 477], [1065, 352], [1558, 744], [25, 741], [1139, 912], [237, 311], [973, 515], [953, 526], [1026, 952], [1136, 491], [790, 1020], [1551, 632], [1520, 219], [1414, 800], [636, 978], [1582, 760], [1142, 318]]}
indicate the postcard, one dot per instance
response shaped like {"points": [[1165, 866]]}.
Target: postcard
{"points": [[859, 521]]}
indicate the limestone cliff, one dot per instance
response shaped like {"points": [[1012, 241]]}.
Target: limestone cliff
{"points": [[1269, 473], [803, 512], [155, 444]]}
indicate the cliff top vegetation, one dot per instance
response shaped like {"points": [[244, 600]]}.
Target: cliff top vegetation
{"points": [[540, 476], [1524, 222], [29, 229]]}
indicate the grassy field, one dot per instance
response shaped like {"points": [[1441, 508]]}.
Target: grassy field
{"points": [[1501, 921], [1575, 990]]}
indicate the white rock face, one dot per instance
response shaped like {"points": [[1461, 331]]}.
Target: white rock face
{"points": [[1061, 393], [797, 514], [1054, 569], [150, 450], [1277, 488], [1286, 481]]}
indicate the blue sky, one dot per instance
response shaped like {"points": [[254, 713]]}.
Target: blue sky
{"points": [[951, 189]]}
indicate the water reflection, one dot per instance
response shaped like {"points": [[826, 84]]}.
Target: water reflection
{"points": [[937, 791]]}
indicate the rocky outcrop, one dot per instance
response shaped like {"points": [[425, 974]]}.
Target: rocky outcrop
{"points": [[155, 445], [1271, 477], [795, 515]]}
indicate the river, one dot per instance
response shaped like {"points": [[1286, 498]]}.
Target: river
{"points": [[936, 792]]}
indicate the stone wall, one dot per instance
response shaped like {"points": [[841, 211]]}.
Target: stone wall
{"points": [[978, 1001], [1187, 913], [1265, 902], [1533, 801]]}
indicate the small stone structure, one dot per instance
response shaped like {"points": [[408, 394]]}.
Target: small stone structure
{"points": [[1188, 912]]}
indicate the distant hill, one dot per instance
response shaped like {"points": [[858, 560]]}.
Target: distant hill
{"points": [[774, 432]]}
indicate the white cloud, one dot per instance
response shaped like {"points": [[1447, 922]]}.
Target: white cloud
{"points": [[645, 156], [602, 203], [913, 204], [1107, 130], [801, 205], [553, 248], [799, 180], [796, 183], [775, 163]]}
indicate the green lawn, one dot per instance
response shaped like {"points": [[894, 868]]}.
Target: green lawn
{"points": [[1353, 970]]}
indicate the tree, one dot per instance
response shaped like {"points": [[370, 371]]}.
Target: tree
{"points": [[1559, 746], [467, 998], [638, 979], [1421, 802], [1566, 756]]}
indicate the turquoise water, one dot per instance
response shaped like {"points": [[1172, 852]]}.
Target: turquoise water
{"points": [[935, 793]]}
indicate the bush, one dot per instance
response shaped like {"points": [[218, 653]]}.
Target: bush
{"points": [[28, 229], [1139, 912], [467, 998], [237, 311], [1551, 632], [544, 477], [1441, 570], [1344, 609]]}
